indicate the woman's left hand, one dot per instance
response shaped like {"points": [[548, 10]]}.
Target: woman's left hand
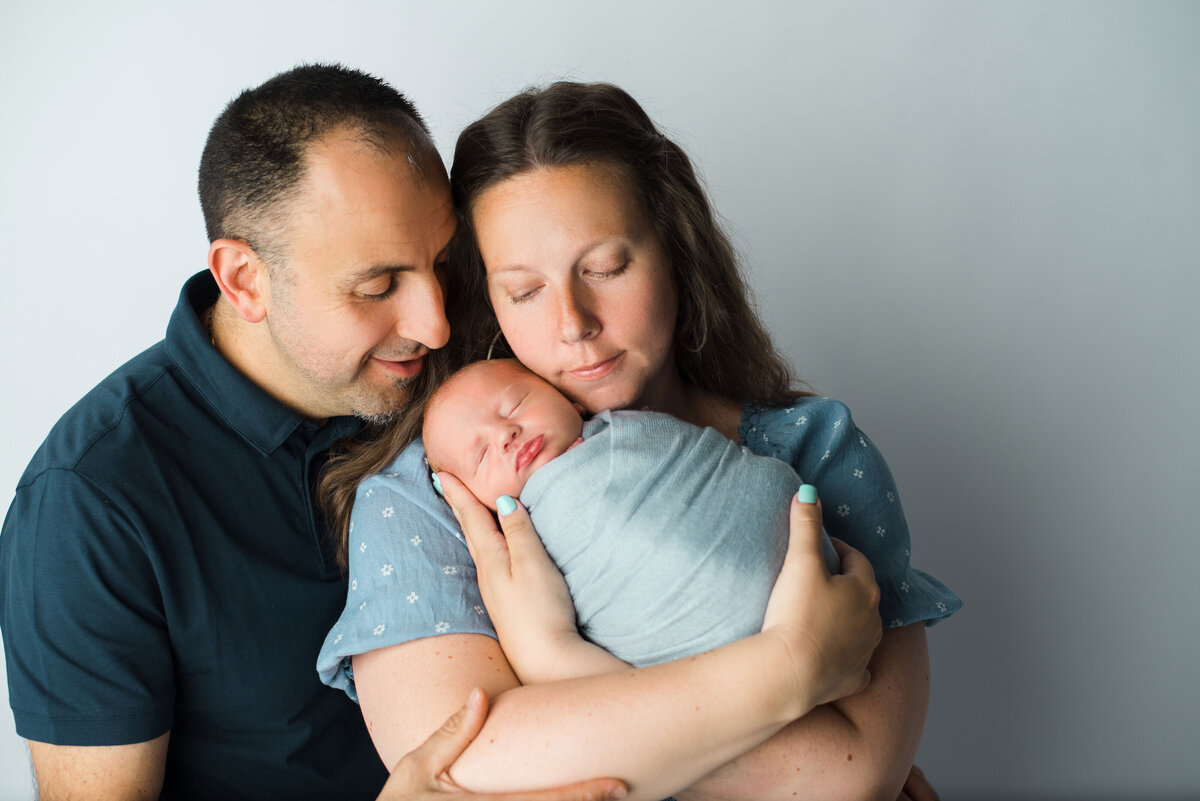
{"points": [[522, 588]]}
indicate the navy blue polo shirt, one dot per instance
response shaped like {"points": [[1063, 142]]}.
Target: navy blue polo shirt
{"points": [[164, 569]]}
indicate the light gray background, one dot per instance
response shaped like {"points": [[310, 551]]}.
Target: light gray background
{"points": [[976, 223]]}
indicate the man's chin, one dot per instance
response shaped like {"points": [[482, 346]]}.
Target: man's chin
{"points": [[385, 407]]}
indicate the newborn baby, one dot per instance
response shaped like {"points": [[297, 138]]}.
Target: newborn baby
{"points": [[669, 536]]}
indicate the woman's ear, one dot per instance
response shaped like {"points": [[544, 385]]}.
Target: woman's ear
{"points": [[241, 276]]}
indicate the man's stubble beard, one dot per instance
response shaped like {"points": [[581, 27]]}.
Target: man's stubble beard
{"points": [[387, 415]]}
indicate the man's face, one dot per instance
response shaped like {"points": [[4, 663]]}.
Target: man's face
{"points": [[494, 424], [358, 303]]}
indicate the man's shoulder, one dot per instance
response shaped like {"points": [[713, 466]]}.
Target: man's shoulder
{"points": [[101, 418]]}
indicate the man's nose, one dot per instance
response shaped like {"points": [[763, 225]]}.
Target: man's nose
{"points": [[422, 314]]}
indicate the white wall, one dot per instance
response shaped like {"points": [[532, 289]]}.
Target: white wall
{"points": [[976, 223]]}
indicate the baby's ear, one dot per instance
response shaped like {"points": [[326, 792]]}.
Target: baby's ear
{"points": [[579, 408]]}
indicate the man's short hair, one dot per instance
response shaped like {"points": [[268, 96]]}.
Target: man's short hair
{"points": [[253, 162]]}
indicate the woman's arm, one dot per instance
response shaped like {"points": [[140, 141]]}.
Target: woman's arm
{"points": [[860, 747], [423, 773], [659, 728]]}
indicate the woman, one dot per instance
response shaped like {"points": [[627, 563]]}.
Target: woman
{"points": [[590, 236]]}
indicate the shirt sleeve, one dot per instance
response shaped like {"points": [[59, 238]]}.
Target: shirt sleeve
{"points": [[86, 643], [411, 575], [859, 500]]}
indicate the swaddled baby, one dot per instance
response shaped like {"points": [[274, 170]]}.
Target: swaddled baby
{"points": [[669, 536]]}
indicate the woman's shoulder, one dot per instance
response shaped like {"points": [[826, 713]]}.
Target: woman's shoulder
{"points": [[807, 412], [404, 488], [408, 471]]}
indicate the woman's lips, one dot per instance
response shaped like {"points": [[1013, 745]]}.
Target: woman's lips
{"points": [[529, 450], [594, 372]]}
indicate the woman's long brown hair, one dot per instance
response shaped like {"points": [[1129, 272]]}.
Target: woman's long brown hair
{"points": [[721, 346]]}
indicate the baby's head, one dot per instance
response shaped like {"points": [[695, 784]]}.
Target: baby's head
{"points": [[493, 423]]}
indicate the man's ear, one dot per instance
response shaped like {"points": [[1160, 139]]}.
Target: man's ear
{"points": [[241, 276]]}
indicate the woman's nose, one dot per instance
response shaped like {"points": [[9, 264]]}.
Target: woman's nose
{"points": [[576, 319]]}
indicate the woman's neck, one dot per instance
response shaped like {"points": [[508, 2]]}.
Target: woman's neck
{"points": [[699, 407]]}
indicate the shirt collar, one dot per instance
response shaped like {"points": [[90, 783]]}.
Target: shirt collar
{"points": [[257, 417]]}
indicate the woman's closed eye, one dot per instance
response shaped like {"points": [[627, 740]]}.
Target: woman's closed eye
{"points": [[601, 274], [522, 295]]}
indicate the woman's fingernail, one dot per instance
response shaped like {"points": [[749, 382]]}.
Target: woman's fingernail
{"points": [[807, 494], [505, 505], [437, 483], [618, 793]]}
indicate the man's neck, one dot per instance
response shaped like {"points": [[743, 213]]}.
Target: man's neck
{"points": [[248, 347]]}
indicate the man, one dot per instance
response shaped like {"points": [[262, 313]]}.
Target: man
{"points": [[167, 577]]}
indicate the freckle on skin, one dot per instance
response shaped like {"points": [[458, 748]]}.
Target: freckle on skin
{"points": [[849, 757]]}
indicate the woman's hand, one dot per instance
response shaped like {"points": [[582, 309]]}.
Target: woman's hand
{"points": [[835, 617], [524, 593], [424, 773]]}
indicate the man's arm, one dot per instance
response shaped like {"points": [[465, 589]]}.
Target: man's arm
{"points": [[115, 772]]}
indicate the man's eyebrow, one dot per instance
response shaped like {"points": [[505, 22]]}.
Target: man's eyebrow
{"points": [[375, 272]]}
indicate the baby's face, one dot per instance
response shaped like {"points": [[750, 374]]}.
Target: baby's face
{"points": [[496, 423]]}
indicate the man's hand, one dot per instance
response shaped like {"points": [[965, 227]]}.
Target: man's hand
{"points": [[424, 773], [917, 787]]}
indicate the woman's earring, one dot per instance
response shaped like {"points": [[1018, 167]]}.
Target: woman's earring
{"points": [[495, 339]]}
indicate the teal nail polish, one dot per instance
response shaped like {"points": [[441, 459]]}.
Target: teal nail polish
{"points": [[505, 505], [807, 494], [437, 484]]}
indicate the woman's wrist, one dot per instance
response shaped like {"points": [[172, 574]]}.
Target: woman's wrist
{"points": [[794, 671], [578, 658]]}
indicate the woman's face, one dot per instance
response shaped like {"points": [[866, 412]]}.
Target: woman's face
{"points": [[581, 286]]}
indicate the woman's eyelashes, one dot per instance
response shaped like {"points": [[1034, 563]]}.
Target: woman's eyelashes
{"points": [[611, 273], [523, 294]]}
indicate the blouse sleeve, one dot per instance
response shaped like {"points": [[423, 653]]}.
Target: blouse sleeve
{"points": [[859, 499], [411, 575]]}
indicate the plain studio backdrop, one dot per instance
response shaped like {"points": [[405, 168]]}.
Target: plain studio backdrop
{"points": [[975, 223]]}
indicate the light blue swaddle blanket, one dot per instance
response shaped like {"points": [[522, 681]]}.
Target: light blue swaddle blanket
{"points": [[670, 536]]}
